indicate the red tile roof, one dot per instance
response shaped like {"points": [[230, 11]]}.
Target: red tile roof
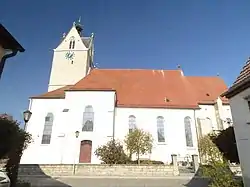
{"points": [[150, 88], [242, 82]]}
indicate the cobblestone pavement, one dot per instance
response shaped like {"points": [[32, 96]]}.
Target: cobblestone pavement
{"points": [[116, 182]]}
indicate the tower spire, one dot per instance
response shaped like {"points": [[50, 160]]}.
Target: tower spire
{"points": [[78, 26]]}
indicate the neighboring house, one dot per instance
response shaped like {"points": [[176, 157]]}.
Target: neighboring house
{"points": [[8, 47], [108, 103], [239, 98]]}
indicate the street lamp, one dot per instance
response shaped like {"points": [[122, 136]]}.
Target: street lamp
{"points": [[77, 134], [26, 117], [74, 165]]}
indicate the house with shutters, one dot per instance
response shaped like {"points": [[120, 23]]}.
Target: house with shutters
{"points": [[239, 98], [103, 104]]}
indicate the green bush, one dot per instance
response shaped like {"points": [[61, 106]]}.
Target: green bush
{"points": [[112, 153], [13, 140], [147, 162], [216, 168]]}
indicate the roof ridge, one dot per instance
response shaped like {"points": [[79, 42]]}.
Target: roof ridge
{"points": [[133, 69]]}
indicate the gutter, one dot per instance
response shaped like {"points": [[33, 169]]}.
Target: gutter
{"points": [[3, 60]]}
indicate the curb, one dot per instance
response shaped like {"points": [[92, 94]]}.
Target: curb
{"points": [[113, 177]]}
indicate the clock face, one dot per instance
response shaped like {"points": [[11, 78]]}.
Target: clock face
{"points": [[69, 55]]}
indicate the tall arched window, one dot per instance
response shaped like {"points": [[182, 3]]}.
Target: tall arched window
{"points": [[47, 130], [88, 119], [131, 123], [188, 132], [160, 129], [72, 42]]}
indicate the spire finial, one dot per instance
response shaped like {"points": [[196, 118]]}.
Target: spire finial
{"points": [[79, 20]]}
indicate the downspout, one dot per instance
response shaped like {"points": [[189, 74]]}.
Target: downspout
{"points": [[5, 57], [113, 135], [197, 136]]}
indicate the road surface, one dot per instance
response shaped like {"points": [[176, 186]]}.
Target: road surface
{"points": [[115, 182]]}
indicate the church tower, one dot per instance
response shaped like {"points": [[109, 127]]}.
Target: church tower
{"points": [[72, 59]]}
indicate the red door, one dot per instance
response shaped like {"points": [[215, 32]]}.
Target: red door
{"points": [[85, 151]]}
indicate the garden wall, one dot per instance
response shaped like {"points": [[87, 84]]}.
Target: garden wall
{"points": [[98, 170]]}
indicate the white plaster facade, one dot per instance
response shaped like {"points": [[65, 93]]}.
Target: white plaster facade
{"points": [[108, 121], [241, 118]]}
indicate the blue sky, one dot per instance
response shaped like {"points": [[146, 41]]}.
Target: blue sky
{"points": [[204, 37]]}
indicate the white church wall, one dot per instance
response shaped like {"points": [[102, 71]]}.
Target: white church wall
{"points": [[207, 116], [36, 152], [175, 142], [64, 146], [103, 107], [241, 118]]}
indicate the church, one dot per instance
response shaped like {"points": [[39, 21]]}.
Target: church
{"points": [[85, 107]]}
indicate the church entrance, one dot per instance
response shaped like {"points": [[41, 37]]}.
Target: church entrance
{"points": [[85, 151]]}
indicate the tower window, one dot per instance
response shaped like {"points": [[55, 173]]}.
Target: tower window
{"points": [[72, 42]]}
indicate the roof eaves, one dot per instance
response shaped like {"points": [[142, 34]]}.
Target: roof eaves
{"points": [[8, 41], [47, 97], [237, 88]]}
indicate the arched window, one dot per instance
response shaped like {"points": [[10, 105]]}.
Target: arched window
{"points": [[131, 123], [72, 42], [88, 119], [188, 132], [47, 130], [160, 129]]}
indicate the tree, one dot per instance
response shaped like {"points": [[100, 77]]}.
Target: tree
{"points": [[112, 153], [13, 140], [216, 167], [139, 142], [226, 143]]}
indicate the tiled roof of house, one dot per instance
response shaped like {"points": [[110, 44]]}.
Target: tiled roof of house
{"points": [[242, 82], [150, 88]]}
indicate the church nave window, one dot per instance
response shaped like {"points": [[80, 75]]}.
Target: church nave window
{"points": [[131, 123], [47, 130], [188, 132], [160, 129], [88, 119]]}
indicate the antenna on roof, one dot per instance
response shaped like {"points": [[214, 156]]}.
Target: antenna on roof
{"points": [[179, 66]]}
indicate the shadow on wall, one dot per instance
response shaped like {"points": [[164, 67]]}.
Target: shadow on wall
{"points": [[38, 178]]}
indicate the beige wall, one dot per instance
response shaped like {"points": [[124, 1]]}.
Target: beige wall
{"points": [[241, 118]]}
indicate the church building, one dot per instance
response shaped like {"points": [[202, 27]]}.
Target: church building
{"points": [[102, 104]]}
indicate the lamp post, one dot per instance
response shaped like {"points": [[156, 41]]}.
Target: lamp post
{"points": [[74, 165], [26, 117]]}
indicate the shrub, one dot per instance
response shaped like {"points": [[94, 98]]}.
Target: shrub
{"points": [[139, 142], [112, 153], [13, 140], [226, 143], [147, 162], [216, 167]]}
